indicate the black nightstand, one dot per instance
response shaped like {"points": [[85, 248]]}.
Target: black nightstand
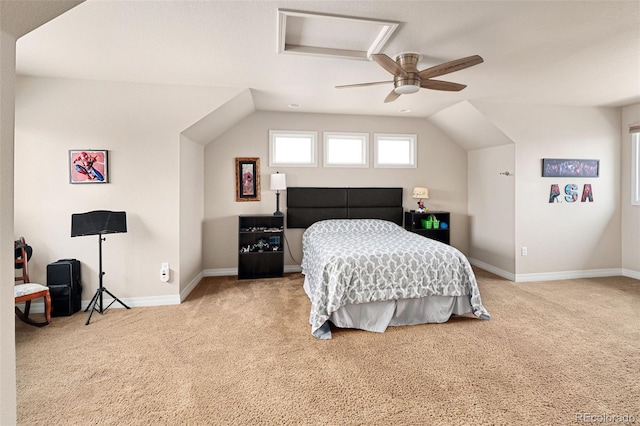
{"points": [[260, 246], [413, 222]]}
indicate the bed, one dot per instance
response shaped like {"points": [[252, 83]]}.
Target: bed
{"points": [[368, 273]]}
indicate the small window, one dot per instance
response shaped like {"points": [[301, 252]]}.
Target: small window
{"points": [[292, 148], [346, 149], [635, 169], [395, 150]]}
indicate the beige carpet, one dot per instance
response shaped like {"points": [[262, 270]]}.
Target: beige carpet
{"points": [[242, 353]]}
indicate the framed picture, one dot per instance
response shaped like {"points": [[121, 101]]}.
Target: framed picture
{"points": [[88, 166], [247, 179], [562, 167]]}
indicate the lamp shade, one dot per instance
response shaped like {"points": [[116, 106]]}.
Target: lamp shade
{"points": [[278, 181], [421, 193]]}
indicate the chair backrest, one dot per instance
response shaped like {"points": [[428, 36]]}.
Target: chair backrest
{"points": [[21, 262]]}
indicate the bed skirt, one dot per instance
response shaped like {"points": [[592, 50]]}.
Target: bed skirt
{"points": [[377, 316]]}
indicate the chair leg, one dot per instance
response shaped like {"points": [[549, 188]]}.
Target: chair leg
{"points": [[47, 307], [24, 316]]}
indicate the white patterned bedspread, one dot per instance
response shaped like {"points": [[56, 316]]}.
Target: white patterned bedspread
{"points": [[349, 261]]}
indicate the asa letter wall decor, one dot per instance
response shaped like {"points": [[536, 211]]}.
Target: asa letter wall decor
{"points": [[571, 193]]}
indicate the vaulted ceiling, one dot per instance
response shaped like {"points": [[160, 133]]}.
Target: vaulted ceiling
{"points": [[578, 53]]}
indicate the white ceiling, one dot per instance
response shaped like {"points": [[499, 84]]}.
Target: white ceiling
{"points": [[579, 53]]}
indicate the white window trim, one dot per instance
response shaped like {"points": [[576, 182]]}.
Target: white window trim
{"points": [[413, 140], [313, 136], [364, 143], [635, 169]]}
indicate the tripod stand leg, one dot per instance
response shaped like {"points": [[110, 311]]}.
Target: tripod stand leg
{"points": [[115, 299], [93, 304], [94, 300], [97, 297]]}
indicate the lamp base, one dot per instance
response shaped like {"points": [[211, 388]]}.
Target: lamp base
{"points": [[278, 212]]}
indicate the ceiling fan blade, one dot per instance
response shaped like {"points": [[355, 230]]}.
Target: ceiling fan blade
{"points": [[392, 96], [389, 64], [442, 85], [451, 66], [363, 84]]}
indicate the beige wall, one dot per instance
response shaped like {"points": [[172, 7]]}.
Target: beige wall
{"points": [[140, 125], [191, 214], [16, 19], [492, 209], [442, 167], [7, 317], [567, 238], [630, 214]]}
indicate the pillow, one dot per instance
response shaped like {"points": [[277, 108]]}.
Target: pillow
{"points": [[351, 226]]}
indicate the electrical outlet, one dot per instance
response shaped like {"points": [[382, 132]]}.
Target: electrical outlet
{"points": [[524, 251], [165, 272]]}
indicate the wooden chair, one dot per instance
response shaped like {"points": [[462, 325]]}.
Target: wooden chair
{"points": [[28, 291]]}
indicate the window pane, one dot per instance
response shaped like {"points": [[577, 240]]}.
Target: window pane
{"points": [[395, 150], [292, 148], [346, 149]]}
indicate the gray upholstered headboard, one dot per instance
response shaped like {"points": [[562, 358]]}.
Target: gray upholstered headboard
{"points": [[307, 205]]}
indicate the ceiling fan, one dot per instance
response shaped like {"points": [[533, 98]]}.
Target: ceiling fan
{"points": [[407, 79]]}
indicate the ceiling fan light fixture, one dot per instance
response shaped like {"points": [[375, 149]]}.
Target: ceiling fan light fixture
{"points": [[408, 79], [406, 89]]}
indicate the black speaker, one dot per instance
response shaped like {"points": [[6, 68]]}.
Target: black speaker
{"points": [[65, 287]]}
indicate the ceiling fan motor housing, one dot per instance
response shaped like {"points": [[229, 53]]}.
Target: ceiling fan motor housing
{"points": [[408, 61], [411, 83]]}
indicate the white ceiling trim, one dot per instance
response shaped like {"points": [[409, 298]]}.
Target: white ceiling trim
{"points": [[366, 36]]}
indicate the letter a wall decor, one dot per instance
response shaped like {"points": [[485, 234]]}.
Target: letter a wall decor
{"points": [[571, 193]]}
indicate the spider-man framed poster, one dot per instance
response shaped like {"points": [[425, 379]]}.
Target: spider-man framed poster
{"points": [[88, 166]]}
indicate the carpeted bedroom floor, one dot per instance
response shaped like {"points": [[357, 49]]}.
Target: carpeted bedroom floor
{"points": [[554, 353]]}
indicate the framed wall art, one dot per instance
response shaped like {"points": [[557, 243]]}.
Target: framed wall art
{"points": [[247, 179], [562, 167], [88, 166]]}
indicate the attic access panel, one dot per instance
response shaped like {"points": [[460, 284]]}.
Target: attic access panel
{"points": [[345, 37]]}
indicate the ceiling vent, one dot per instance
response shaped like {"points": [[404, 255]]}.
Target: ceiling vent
{"points": [[318, 34]]}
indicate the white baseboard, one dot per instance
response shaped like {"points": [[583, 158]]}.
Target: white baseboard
{"points": [[490, 268], [553, 276], [222, 272], [568, 275], [292, 268], [37, 307], [189, 288], [631, 273]]}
